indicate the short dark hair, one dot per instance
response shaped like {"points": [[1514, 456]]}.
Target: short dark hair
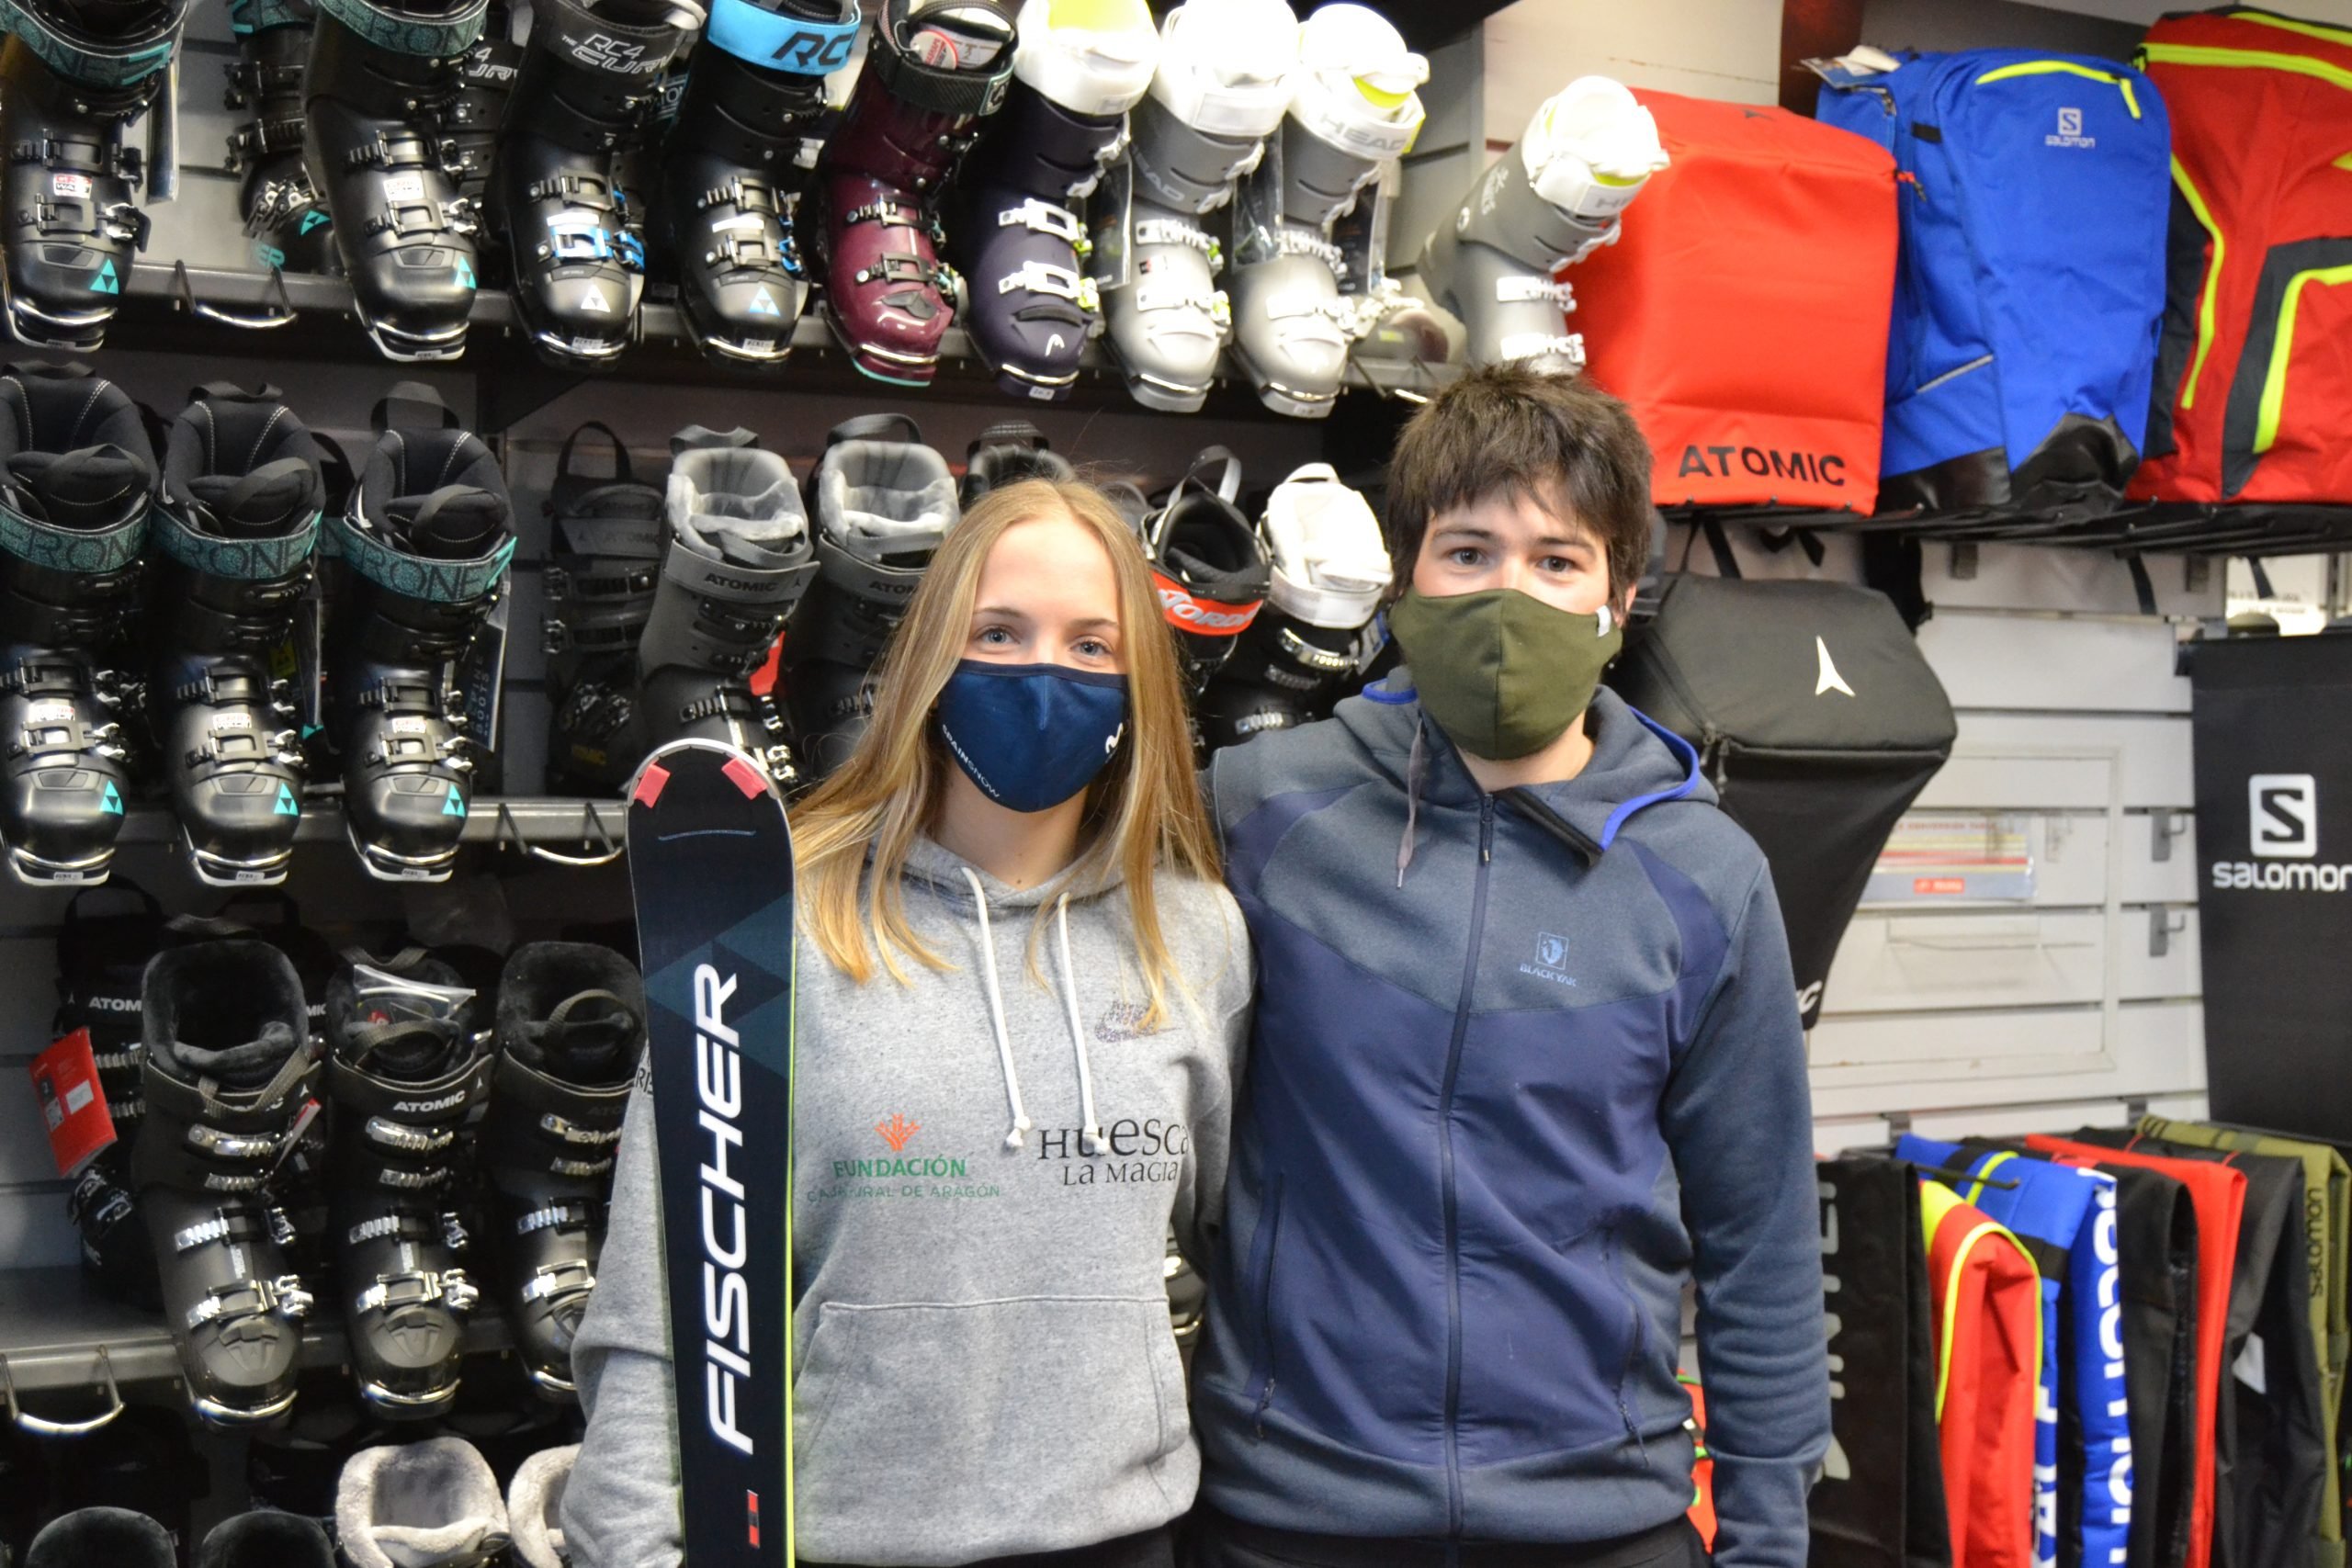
{"points": [[1559, 440]]}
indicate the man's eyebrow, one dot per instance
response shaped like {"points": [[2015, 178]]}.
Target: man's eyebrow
{"points": [[1467, 530]]}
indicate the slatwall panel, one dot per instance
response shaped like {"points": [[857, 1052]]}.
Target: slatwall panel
{"points": [[495, 899], [2083, 999]]}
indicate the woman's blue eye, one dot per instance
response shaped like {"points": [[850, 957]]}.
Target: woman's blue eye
{"points": [[988, 633], [1094, 648]]}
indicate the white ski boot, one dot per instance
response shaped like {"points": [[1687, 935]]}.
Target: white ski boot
{"points": [[1222, 87], [1549, 202], [1352, 108]]}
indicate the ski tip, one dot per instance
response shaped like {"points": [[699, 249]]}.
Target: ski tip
{"points": [[747, 778], [650, 783]]}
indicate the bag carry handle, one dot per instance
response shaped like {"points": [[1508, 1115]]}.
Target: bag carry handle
{"points": [[622, 473], [1718, 546]]}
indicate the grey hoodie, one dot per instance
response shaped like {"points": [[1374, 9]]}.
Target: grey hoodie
{"points": [[981, 1342]]}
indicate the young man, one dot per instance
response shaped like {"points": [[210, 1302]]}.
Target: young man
{"points": [[1526, 1059]]}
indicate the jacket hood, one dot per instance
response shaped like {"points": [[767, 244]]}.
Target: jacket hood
{"points": [[1636, 762]]}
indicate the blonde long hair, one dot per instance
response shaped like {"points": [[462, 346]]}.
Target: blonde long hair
{"points": [[1143, 812]]}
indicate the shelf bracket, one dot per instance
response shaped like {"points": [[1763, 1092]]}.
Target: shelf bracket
{"points": [[42, 1427], [594, 831], [2163, 826], [278, 305], [2162, 924]]}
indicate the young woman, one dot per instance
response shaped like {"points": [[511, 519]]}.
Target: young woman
{"points": [[1024, 994]]}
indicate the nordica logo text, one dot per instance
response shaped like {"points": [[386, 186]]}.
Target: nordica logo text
{"points": [[1763, 462], [725, 1298]]}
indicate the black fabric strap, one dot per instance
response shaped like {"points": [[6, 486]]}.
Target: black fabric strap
{"points": [[942, 91]]}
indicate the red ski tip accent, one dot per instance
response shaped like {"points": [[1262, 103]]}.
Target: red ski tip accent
{"points": [[748, 778], [650, 783], [752, 1524]]}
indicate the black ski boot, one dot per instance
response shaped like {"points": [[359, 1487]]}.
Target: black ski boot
{"points": [[1296, 658], [425, 547], [477, 114], [1022, 239], [229, 1077], [599, 587], [73, 76], [382, 82], [240, 520], [737, 562], [1007, 454], [570, 1031], [881, 506], [409, 1075], [590, 72], [734, 165], [101, 965], [284, 218], [77, 482], [1209, 564]]}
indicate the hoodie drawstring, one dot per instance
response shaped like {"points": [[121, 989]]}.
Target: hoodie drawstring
{"points": [[1020, 1131], [1089, 1137], [1415, 766]]}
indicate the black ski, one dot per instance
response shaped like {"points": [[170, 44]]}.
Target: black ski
{"points": [[710, 865]]}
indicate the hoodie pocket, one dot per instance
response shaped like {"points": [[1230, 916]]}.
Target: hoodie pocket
{"points": [[968, 1427]]}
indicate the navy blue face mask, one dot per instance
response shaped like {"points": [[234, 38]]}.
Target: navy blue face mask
{"points": [[1031, 735]]}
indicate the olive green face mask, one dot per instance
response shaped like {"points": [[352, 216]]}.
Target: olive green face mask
{"points": [[1503, 673]]}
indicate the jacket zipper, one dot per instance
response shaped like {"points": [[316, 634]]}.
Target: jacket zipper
{"points": [[1636, 1342], [1445, 1166], [1273, 1220]]}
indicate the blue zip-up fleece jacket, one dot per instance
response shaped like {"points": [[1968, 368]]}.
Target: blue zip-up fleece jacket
{"points": [[1521, 1064]]}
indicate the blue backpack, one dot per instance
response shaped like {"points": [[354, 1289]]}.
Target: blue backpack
{"points": [[2034, 191]]}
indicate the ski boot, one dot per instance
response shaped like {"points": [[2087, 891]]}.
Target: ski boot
{"points": [[935, 69], [477, 114], [1352, 108], [599, 587], [239, 520], [535, 1507], [738, 559], [101, 963], [1222, 86], [266, 1538], [117, 1538], [1330, 569], [735, 164], [425, 545], [1021, 236], [409, 1076], [881, 507], [570, 1031], [1548, 202], [229, 1079], [77, 482], [73, 76], [1007, 454], [284, 217], [428, 1504], [1209, 566], [382, 80], [590, 71]]}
